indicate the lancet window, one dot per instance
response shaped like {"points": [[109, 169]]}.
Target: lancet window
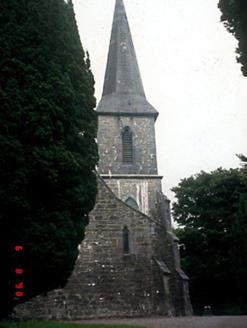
{"points": [[126, 247], [127, 141]]}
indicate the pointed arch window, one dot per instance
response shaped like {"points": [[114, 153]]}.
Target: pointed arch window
{"points": [[127, 141], [131, 202], [126, 247]]}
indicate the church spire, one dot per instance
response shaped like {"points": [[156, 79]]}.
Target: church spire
{"points": [[123, 90], [122, 71]]}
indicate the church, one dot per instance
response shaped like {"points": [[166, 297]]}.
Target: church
{"points": [[128, 264]]}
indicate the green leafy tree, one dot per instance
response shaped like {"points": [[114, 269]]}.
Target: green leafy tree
{"points": [[47, 139], [243, 159], [205, 210], [239, 240], [234, 16], [239, 249]]}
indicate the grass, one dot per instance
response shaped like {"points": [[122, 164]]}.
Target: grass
{"points": [[58, 325]]}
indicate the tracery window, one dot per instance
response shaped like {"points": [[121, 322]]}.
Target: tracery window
{"points": [[127, 142]]}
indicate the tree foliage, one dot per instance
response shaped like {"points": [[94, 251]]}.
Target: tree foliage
{"points": [[47, 139], [207, 210], [234, 16], [239, 238]]}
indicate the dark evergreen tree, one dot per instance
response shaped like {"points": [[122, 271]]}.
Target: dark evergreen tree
{"points": [[234, 16], [206, 208], [47, 140]]}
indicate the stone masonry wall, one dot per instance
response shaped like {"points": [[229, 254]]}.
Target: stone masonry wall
{"points": [[105, 282], [141, 190], [178, 281], [110, 145]]}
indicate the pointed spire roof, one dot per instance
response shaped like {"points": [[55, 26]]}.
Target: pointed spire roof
{"points": [[122, 71], [123, 90]]}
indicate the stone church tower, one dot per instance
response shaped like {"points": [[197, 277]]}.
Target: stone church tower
{"points": [[129, 261], [126, 133]]}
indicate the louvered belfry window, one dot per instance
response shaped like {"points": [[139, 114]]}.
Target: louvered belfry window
{"points": [[127, 147]]}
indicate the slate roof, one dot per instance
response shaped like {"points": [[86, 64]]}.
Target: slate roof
{"points": [[123, 90]]}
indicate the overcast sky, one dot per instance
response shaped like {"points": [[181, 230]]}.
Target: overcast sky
{"points": [[190, 75]]}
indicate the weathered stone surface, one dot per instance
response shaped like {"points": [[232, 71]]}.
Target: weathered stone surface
{"points": [[105, 282], [110, 130], [129, 261], [108, 283], [141, 189]]}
